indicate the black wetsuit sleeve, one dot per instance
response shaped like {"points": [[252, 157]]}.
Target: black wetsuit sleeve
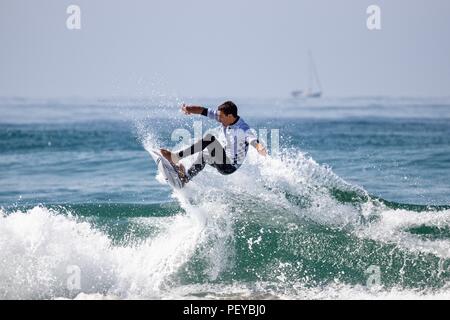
{"points": [[204, 112]]}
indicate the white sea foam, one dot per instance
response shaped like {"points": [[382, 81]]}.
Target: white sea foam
{"points": [[38, 246]]}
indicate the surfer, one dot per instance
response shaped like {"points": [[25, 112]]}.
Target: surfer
{"points": [[225, 158]]}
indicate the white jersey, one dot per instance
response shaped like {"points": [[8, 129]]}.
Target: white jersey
{"points": [[237, 137]]}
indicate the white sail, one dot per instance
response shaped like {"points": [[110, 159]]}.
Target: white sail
{"points": [[313, 82]]}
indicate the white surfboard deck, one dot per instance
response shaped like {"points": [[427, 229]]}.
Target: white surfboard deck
{"points": [[167, 170]]}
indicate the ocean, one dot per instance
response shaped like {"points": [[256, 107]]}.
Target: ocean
{"points": [[353, 202]]}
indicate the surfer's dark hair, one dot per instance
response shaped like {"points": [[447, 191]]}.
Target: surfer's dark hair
{"points": [[228, 107]]}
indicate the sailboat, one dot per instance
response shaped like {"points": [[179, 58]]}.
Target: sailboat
{"points": [[313, 79]]}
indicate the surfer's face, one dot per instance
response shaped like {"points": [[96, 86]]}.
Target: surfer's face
{"points": [[226, 119]]}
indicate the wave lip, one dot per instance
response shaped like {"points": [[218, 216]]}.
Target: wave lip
{"points": [[41, 248], [49, 254]]}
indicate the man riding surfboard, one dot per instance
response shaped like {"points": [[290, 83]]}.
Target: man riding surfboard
{"points": [[225, 158]]}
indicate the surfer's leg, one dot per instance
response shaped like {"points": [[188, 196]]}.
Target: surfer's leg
{"points": [[198, 146], [225, 168], [219, 160], [202, 160], [216, 158], [197, 166], [216, 152]]}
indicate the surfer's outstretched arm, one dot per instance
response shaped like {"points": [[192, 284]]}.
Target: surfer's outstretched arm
{"points": [[192, 109], [210, 113]]}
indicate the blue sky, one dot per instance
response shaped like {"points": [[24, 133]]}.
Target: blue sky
{"points": [[234, 48]]}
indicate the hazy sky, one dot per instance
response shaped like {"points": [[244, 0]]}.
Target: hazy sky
{"points": [[233, 48]]}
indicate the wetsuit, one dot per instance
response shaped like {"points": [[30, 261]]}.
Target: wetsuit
{"points": [[226, 159]]}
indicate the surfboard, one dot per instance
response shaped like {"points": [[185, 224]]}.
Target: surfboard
{"points": [[167, 170]]}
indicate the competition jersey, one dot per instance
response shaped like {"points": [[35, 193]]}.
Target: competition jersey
{"points": [[237, 137]]}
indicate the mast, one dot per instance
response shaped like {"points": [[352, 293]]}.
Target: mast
{"points": [[310, 74], [313, 76]]}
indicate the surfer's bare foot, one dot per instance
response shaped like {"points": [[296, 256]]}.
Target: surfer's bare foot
{"points": [[182, 173], [171, 157]]}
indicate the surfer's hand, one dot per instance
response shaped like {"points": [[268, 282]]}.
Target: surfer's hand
{"points": [[185, 108], [261, 150], [191, 109]]}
